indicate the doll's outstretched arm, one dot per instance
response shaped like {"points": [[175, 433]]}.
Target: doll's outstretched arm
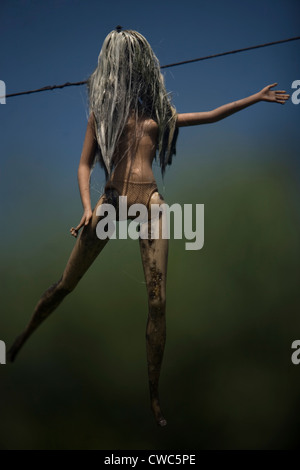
{"points": [[266, 94]]}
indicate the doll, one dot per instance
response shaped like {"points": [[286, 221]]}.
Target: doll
{"points": [[131, 123]]}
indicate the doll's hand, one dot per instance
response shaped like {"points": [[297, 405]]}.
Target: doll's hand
{"points": [[87, 215], [273, 96]]}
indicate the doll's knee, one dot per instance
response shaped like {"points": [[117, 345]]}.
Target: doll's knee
{"points": [[157, 305], [156, 198], [65, 285]]}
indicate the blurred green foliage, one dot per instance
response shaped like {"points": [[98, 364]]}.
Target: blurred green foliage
{"points": [[232, 314]]}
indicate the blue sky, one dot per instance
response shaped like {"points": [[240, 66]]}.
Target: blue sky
{"points": [[51, 42]]}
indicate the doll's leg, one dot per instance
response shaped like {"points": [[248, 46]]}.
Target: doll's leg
{"points": [[87, 248], [154, 254]]}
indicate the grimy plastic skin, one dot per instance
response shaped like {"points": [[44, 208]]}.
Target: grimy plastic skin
{"points": [[136, 167]]}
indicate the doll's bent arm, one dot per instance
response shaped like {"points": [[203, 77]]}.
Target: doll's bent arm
{"points": [[266, 94], [84, 173], [86, 163]]}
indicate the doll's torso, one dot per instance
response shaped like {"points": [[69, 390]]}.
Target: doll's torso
{"points": [[133, 176], [136, 150]]}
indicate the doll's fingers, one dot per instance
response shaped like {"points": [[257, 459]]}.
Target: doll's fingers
{"points": [[79, 226], [75, 229], [73, 232]]}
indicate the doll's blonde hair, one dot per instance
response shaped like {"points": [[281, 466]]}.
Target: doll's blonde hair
{"points": [[128, 79]]}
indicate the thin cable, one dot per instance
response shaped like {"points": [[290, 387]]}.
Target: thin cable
{"points": [[213, 56], [46, 88], [175, 64]]}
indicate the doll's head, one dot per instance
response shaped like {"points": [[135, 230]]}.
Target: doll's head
{"points": [[127, 80]]}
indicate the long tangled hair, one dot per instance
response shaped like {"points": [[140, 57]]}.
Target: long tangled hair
{"points": [[128, 80]]}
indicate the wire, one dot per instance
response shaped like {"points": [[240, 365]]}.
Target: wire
{"points": [[46, 88], [213, 56], [175, 64]]}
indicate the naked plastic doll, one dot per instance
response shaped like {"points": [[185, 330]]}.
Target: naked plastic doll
{"points": [[131, 123]]}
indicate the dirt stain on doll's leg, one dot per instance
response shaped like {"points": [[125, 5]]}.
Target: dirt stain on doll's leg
{"points": [[49, 301], [153, 257], [155, 283]]}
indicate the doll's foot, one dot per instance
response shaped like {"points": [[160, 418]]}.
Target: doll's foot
{"points": [[10, 356], [162, 422], [13, 351], [159, 418]]}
